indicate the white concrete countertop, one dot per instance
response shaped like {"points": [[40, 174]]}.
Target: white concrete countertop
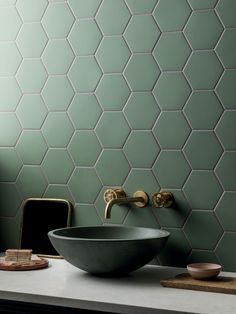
{"points": [[62, 284]]}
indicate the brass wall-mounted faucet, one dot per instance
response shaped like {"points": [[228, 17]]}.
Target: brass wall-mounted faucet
{"points": [[118, 196]]}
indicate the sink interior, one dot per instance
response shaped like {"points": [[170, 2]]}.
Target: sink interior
{"points": [[110, 233]]}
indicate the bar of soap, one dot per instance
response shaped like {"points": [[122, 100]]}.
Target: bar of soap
{"points": [[15, 255]]}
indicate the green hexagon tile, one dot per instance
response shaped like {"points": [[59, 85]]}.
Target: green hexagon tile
{"points": [[133, 93]]}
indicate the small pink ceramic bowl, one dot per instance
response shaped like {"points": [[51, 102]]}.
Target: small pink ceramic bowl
{"points": [[204, 270]]}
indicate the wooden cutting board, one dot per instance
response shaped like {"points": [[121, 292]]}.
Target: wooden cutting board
{"points": [[220, 284]]}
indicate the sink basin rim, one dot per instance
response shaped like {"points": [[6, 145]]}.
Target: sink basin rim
{"points": [[160, 233]]}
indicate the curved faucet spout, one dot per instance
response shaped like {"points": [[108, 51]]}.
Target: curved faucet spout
{"points": [[140, 199], [119, 201]]}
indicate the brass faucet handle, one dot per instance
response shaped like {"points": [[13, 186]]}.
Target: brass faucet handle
{"points": [[111, 194], [163, 199]]}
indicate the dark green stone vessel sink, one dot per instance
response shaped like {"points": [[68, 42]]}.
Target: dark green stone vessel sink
{"points": [[108, 250]]}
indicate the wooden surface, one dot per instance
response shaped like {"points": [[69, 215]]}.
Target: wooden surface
{"points": [[35, 263], [185, 281]]}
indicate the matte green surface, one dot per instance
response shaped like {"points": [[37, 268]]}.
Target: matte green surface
{"points": [[31, 111], [203, 29], [140, 6], [132, 93], [51, 21], [203, 150], [141, 149], [226, 48], [84, 148], [144, 26], [112, 130], [27, 139], [126, 248], [203, 69], [172, 15], [164, 48], [31, 40], [85, 37], [112, 92], [141, 111], [57, 56], [225, 9], [197, 230], [10, 58], [202, 189], [113, 54], [226, 89], [225, 211], [171, 90], [203, 110], [225, 128], [171, 130], [10, 93], [171, 169]]}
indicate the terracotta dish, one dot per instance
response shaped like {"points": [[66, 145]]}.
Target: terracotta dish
{"points": [[204, 270]]}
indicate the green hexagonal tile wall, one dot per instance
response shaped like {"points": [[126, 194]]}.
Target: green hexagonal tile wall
{"points": [[10, 58], [89, 106], [113, 24], [172, 16], [202, 190], [171, 169], [140, 6], [131, 93], [203, 110], [112, 129], [200, 237], [113, 54], [31, 76], [52, 166], [10, 164], [203, 69], [9, 31], [57, 12], [202, 4], [203, 158], [178, 130], [141, 111], [31, 40], [112, 167], [52, 130], [10, 93], [225, 9], [226, 48], [141, 149], [203, 29], [84, 148], [60, 100], [171, 90], [31, 111], [57, 56], [27, 139], [84, 9], [112, 92], [163, 51], [225, 128], [142, 72], [85, 37], [226, 89], [225, 211], [85, 74], [144, 26], [31, 14]]}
